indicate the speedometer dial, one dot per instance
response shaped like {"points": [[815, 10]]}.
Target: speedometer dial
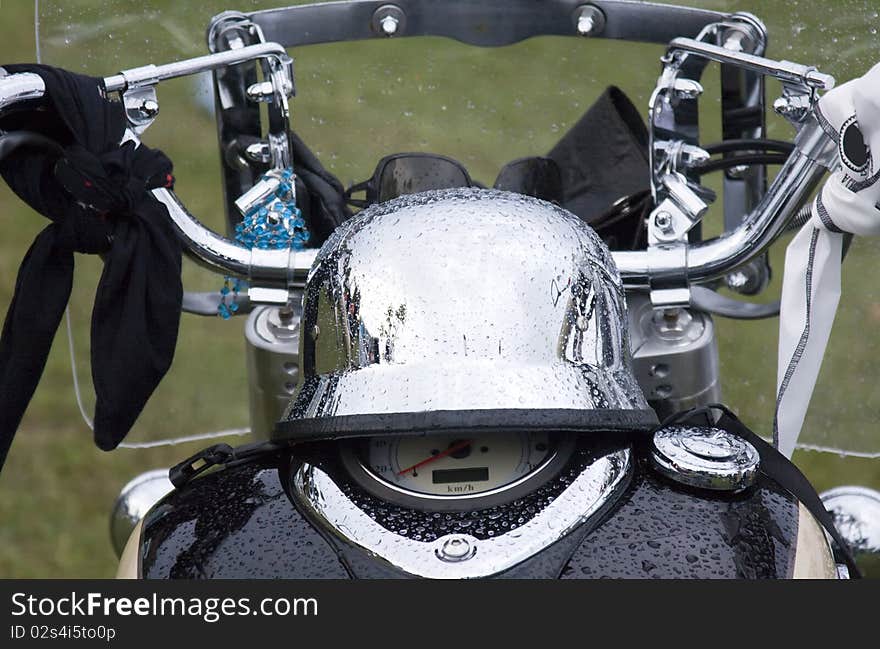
{"points": [[452, 468]]}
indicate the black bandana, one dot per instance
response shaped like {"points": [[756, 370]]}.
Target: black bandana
{"points": [[66, 162]]}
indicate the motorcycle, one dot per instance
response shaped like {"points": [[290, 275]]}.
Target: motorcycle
{"points": [[423, 406]]}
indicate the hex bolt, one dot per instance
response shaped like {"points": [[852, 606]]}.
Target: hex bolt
{"points": [[389, 25], [794, 108], [285, 314], [585, 25], [687, 89], [671, 315], [258, 152], [388, 20], [589, 20], [261, 92], [150, 108], [663, 220]]}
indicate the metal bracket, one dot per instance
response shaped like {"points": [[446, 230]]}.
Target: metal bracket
{"points": [[795, 104], [667, 270], [137, 86], [239, 90], [263, 295], [736, 43], [793, 73], [141, 108], [139, 98], [678, 213]]}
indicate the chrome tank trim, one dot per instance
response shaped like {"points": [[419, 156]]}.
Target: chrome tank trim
{"points": [[461, 556], [135, 499]]}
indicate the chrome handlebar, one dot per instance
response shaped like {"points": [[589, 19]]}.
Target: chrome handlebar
{"points": [[694, 263], [277, 270], [15, 88], [264, 268], [151, 74]]}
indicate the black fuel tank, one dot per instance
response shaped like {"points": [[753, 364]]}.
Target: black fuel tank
{"points": [[241, 523]]}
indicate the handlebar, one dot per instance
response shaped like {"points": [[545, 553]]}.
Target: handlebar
{"points": [[15, 88], [677, 262], [702, 262], [270, 268]]}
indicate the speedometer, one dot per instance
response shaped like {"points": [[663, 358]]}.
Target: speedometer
{"points": [[447, 471]]}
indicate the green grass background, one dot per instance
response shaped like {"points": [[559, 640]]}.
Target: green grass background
{"points": [[356, 103]]}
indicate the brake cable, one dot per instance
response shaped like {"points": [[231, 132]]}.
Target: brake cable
{"points": [[171, 441], [746, 144]]}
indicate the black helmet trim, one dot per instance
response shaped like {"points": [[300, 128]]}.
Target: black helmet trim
{"points": [[443, 421]]}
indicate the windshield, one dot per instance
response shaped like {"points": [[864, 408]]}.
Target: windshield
{"points": [[358, 102]]}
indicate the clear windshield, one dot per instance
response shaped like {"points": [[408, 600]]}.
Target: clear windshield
{"points": [[358, 102]]}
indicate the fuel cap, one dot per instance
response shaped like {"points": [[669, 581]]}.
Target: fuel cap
{"points": [[706, 458]]}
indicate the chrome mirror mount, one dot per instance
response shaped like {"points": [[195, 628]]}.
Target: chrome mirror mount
{"points": [[137, 88], [737, 43]]}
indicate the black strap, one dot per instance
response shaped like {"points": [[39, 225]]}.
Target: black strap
{"points": [[218, 455], [778, 468]]}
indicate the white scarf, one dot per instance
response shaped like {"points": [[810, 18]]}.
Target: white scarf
{"points": [[847, 203]]}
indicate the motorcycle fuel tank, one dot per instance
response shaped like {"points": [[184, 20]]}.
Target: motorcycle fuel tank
{"points": [[247, 521]]}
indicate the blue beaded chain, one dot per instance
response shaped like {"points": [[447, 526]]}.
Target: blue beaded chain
{"points": [[275, 222]]}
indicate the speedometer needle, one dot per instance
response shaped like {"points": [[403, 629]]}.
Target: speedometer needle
{"points": [[448, 451]]}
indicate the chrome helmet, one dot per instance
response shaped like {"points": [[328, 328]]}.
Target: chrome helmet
{"points": [[461, 309]]}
